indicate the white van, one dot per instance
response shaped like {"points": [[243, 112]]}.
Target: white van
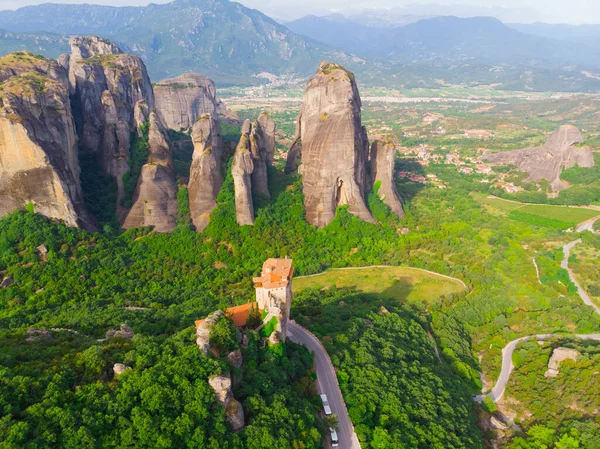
{"points": [[326, 404], [334, 438]]}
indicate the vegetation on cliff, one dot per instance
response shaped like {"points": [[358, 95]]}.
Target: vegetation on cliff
{"points": [[91, 283]]}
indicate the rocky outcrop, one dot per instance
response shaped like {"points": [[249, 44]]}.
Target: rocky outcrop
{"points": [[221, 385], [262, 142], [38, 144], [383, 158], [331, 146], [547, 162], [242, 169], [155, 197], [206, 172], [182, 100], [234, 358], [106, 85], [124, 331], [34, 334], [203, 331], [119, 368], [253, 155], [559, 355]]}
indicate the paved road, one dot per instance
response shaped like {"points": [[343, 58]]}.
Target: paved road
{"points": [[507, 352], [507, 365], [565, 264], [327, 384]]}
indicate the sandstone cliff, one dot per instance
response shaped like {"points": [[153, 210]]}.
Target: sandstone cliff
{"points": [[242, 169], [38, 144], [182, 100], [331, 147], [155, 197], [559, 152], [262, 141], [206, 172], [383, 157], [106, 84]]}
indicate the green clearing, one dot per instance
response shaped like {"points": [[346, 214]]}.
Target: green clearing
{"points": [[572, 215], [559, 217], [403, 283]]}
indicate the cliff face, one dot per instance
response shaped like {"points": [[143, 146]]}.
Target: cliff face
{"points": [[38, 144], [254, 153], [383, 156], [155, 198], [206, 172], [332, 146], [182, 100], [106, 84], [547, 162], [242, 169], [262, 141]]}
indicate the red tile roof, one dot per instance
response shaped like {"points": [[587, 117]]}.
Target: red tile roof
{"points": [[275, 273], [239, 314]]}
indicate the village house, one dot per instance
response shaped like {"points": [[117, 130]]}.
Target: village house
{"points": [[484, 169]]}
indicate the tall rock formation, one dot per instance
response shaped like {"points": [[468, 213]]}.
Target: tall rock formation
{"points": [[182, 100], [547, 162], [242, 169], [331, 146], [155, 197], [206, 172], [253, 155], [262, 141], [106, 84], [383, 157], [38, 144]]}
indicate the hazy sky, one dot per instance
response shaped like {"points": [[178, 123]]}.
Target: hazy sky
{"points": [[555, 11]]}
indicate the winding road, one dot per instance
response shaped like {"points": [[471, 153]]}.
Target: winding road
{"points": [[327, 384], [509, 349]]}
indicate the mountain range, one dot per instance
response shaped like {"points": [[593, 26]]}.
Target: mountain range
{"points": [[219, 38], [232, 43]]}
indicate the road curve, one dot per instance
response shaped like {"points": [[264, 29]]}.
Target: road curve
{"points": [[565, 264], [507, 365], [509, 349], [327, 383]]}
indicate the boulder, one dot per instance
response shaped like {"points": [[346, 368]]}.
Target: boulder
{"points": [[221, 385], [331, 146], [548, 162], [235, 358], [559, 355], [106, 85], [182, 100], [119, 368], [235, 415], [274, 338], [206, 172], [124, 331], [242, 169], [43, 252], [383, 158], [7, 282], [39, 163], [155, 197]]}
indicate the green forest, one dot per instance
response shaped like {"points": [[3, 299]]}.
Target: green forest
{"points": [[57, 389]]}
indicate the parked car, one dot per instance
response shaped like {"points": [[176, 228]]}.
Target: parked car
{"points": [[334, 438], [326, 404]]}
